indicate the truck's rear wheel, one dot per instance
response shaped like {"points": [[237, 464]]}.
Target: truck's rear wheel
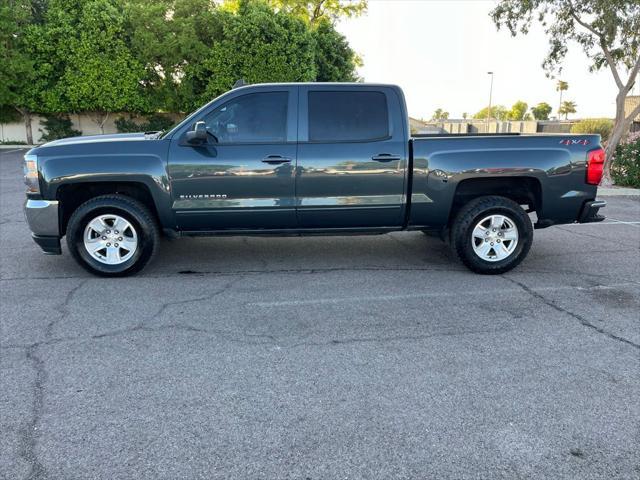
{"points": [[492, 234], [112, 235]]}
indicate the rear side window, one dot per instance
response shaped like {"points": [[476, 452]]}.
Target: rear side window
{"points": [[347, 116]]}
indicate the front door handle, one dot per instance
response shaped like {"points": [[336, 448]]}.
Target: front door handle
{"points": [[385, 157], [276, 159]]}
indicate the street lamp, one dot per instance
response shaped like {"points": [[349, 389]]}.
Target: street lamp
{"points": [[490, 98]]}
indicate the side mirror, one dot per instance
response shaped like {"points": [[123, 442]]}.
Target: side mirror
{"points": [[198, 134]]}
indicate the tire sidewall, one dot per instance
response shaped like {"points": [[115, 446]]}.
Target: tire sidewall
{"points": [[86, 213], [464, 239]]}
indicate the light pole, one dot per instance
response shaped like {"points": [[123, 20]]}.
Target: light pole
{"points": [[490, 98]]}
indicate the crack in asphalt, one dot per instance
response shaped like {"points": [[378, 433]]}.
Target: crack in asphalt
{"points": [[576, 316], [385, 339], [29, 434], [319, 271], [63, 309], [284, 271]]}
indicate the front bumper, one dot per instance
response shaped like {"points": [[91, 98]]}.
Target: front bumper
{"points": [[589, 212], [42, 217]]}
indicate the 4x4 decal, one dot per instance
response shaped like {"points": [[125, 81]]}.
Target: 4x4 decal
{"points": [[574, 141]]}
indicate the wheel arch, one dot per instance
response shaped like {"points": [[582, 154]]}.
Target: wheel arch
{"points": [[72, 195], [523, 190]]}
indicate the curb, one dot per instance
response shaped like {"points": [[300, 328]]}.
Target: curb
{"points": [[7, 147], [618, 192]]}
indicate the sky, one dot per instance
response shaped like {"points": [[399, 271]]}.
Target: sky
{"points": [[439, 52]]}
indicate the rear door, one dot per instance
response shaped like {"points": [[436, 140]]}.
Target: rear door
{"points": [[352, 157], [243, 177]]}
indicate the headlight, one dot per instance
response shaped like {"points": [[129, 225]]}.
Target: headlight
{"points": [[31, 174]]}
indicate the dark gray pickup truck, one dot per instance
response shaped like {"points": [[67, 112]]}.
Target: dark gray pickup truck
{"points": [[284, 159]]}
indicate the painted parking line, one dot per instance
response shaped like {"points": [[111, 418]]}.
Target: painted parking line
{"points": [[624, 222], [11, 151], [610, 221]]}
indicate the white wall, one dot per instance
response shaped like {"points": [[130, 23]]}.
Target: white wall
{"points": [[16, 131]]}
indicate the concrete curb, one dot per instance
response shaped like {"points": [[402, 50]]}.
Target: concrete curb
{"points": [[14, 147], [618, 192]]}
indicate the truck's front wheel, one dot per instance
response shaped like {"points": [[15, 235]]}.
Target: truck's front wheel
{"points": [[492, 234], [112, 235]]}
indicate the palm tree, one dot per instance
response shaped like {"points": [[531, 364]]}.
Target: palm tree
{"points": [[561, 86], [566, 108]]}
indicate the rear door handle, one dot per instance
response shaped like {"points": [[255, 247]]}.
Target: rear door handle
{"points": [[275, 159], [385, 157]]}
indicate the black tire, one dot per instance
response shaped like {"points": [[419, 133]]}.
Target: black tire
{"points": [[131, 210], [467, 219]]}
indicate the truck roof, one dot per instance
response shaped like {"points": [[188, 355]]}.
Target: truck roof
{"points": [[324, 84]]}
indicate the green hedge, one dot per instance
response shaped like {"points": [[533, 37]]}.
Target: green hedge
{"points": [[153, 123], [601, 126]]}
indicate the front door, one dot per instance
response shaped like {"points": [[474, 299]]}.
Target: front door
{"points": [[352, 157], [243, 176]]}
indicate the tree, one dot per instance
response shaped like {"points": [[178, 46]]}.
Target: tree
{"points": [[335, 60], [173, 39], [85, 61], [312, 11], [257, 45], [566, 108], [102, 75], [18, 88], [608, 32], [541, 111], [518, 111], [187, 48], [465, 115], [561, 86], [315, 10], [440, 115], [498, 112]]}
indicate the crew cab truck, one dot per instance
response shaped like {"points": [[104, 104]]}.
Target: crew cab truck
{"points": [[307, 158]]}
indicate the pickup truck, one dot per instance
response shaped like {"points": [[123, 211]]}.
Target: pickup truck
{"points": [[306, 158]]}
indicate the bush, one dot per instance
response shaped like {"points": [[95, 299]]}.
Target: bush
{"points": [[58, 126], [625, 169], [126, 125], [152, 123], [158, 122], [9, 114], [600, 126]]}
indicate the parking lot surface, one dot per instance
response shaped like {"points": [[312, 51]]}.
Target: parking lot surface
{"points": [[322, 358]]}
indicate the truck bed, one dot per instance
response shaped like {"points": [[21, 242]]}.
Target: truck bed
{"points": [[553, 164]]}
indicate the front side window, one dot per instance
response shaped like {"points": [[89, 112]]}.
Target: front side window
{"points": [[251, 118], [347, 116]]}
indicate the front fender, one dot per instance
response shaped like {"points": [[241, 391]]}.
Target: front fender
{"points": [[140, 162]]}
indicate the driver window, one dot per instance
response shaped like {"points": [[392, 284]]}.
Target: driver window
{"points": [[251, 118]]}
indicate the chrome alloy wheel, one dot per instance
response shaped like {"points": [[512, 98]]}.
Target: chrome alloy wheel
{"points": [[110, 239], [494, 238]]}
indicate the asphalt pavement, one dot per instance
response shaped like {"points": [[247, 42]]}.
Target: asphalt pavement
{"points": [[322, 358]]}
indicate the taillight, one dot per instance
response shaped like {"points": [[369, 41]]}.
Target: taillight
{"points": [[595, 165]]}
